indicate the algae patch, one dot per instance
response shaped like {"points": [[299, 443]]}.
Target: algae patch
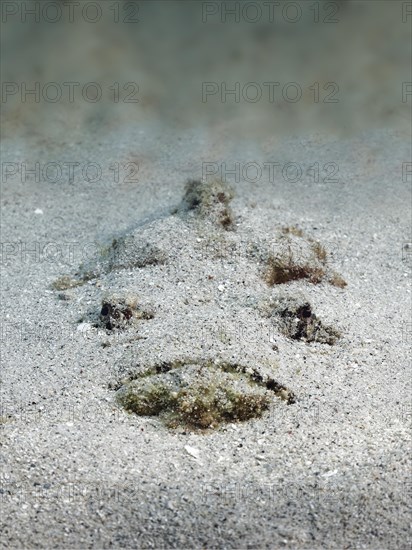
{"points": [[200, 396], [297, 257]]}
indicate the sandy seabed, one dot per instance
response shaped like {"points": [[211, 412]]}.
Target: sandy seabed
{"points": [[330, 470]]}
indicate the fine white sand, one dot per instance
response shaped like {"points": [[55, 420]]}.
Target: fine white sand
{"points": [[331, 470]]}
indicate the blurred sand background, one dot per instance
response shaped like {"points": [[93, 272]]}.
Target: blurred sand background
{"points": [[332, 471]]}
